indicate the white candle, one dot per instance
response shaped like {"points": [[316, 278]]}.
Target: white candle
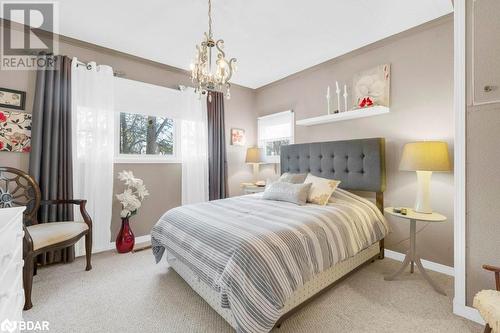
{"points": [[328, 100], [345, 97], [338, 94]]}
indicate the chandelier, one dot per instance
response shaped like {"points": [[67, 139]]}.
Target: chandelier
{"points": [[209, 73]]}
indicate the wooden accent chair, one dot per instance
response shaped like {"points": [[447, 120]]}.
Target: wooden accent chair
{"points": [[487, 302], [17, 188]]}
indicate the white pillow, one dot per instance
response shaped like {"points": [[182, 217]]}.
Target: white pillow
{"points": [[321, 189], [283, 191]]}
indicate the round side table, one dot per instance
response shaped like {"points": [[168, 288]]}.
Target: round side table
{"points": [[412, 257]]}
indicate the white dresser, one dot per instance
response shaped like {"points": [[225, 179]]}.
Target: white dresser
{"points": [[11, 264]]}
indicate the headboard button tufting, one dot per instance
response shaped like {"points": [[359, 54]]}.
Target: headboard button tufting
{"points": [[357, 162]]}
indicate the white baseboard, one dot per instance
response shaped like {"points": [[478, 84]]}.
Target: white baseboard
{"points": [[467, 312], [432, 266], [138, 240], [112, 245]]}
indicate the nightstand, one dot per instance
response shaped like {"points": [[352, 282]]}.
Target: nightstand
{"points": [[412, 257], [250, 188]]}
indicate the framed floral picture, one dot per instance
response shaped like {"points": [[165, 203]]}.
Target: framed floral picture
{"points": [[12, 99], [238, 137], [15, 131]]}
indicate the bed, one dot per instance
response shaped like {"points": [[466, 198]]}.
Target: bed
{"points": [[257, 261]]}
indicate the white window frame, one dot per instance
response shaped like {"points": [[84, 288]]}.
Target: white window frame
{"points": [[261, 143], [146, 158]]}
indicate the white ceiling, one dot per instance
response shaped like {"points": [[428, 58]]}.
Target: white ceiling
{"points": [[270, 38]]}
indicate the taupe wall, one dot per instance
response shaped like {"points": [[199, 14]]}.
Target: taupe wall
{"points": [[24, 81], [163, 180], [164, 185], [421, 108], [483, 153]]}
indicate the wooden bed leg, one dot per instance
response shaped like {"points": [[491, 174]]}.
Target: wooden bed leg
{"points": [[379, 198], [382, 248]]}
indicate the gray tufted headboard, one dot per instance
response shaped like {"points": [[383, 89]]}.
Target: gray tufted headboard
{"points": [[358, 164]]}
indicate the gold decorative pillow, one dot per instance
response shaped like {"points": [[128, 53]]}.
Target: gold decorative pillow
{"points": [[321, 189]]}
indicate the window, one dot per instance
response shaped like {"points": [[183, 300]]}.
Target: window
{"points": [[145, 122], [140, 134], [274, 131]]}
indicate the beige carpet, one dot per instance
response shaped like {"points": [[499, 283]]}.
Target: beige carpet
{"points": [[129, 293]]}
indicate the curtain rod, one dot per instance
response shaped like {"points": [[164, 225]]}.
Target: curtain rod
{"points": [[87, 66]]}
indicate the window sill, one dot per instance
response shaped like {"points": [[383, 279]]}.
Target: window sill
{"points": [[125, 160]]}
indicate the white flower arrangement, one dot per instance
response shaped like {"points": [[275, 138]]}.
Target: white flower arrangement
{"points": [[133, 195]]}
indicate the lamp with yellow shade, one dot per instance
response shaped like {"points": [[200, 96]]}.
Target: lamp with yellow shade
{"points": [[424, 157]]}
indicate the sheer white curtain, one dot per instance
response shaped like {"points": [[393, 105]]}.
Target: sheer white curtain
{"points": [[93, 146], [194, 148]]}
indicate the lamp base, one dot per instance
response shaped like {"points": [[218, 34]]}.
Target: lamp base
{"points": [[423, 202], [255, 171]]}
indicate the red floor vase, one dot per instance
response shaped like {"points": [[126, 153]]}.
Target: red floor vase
{"points": [[125, 240]]}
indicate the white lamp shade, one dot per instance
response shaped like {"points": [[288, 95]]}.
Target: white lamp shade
{"points": [[254, 155], [425, 156]]}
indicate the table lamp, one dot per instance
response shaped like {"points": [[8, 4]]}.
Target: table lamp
{"points": [[255, 156], [424, 157]]}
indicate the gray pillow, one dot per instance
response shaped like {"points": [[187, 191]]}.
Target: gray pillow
{"points": [[283, 191], [294, 178]]}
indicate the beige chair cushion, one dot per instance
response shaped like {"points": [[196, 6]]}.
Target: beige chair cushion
{"points": [[45, 234], [487, 302]]}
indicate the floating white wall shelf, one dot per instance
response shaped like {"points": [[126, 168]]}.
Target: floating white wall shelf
{"points": [[348, 115]]}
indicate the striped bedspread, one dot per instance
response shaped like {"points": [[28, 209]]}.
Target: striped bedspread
{"points": [[257, 252]]}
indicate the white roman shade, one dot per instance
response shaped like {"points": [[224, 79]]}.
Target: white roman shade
{"points": [[148, 99], [276, 126], [273, 128]]}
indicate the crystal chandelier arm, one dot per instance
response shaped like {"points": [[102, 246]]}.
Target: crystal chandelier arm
{"points": [[232, 63], [220, 46]]}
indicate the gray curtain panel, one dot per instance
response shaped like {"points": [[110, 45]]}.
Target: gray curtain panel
{"points": [[51, 154], [217, 161]]}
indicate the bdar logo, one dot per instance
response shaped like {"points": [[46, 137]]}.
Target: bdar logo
{"points": [[8, 326]]}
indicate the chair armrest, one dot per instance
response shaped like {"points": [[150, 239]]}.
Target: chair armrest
{"points": [[496, 270], [62, 202], [491, 268], [27, 242], [81, 203]]}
